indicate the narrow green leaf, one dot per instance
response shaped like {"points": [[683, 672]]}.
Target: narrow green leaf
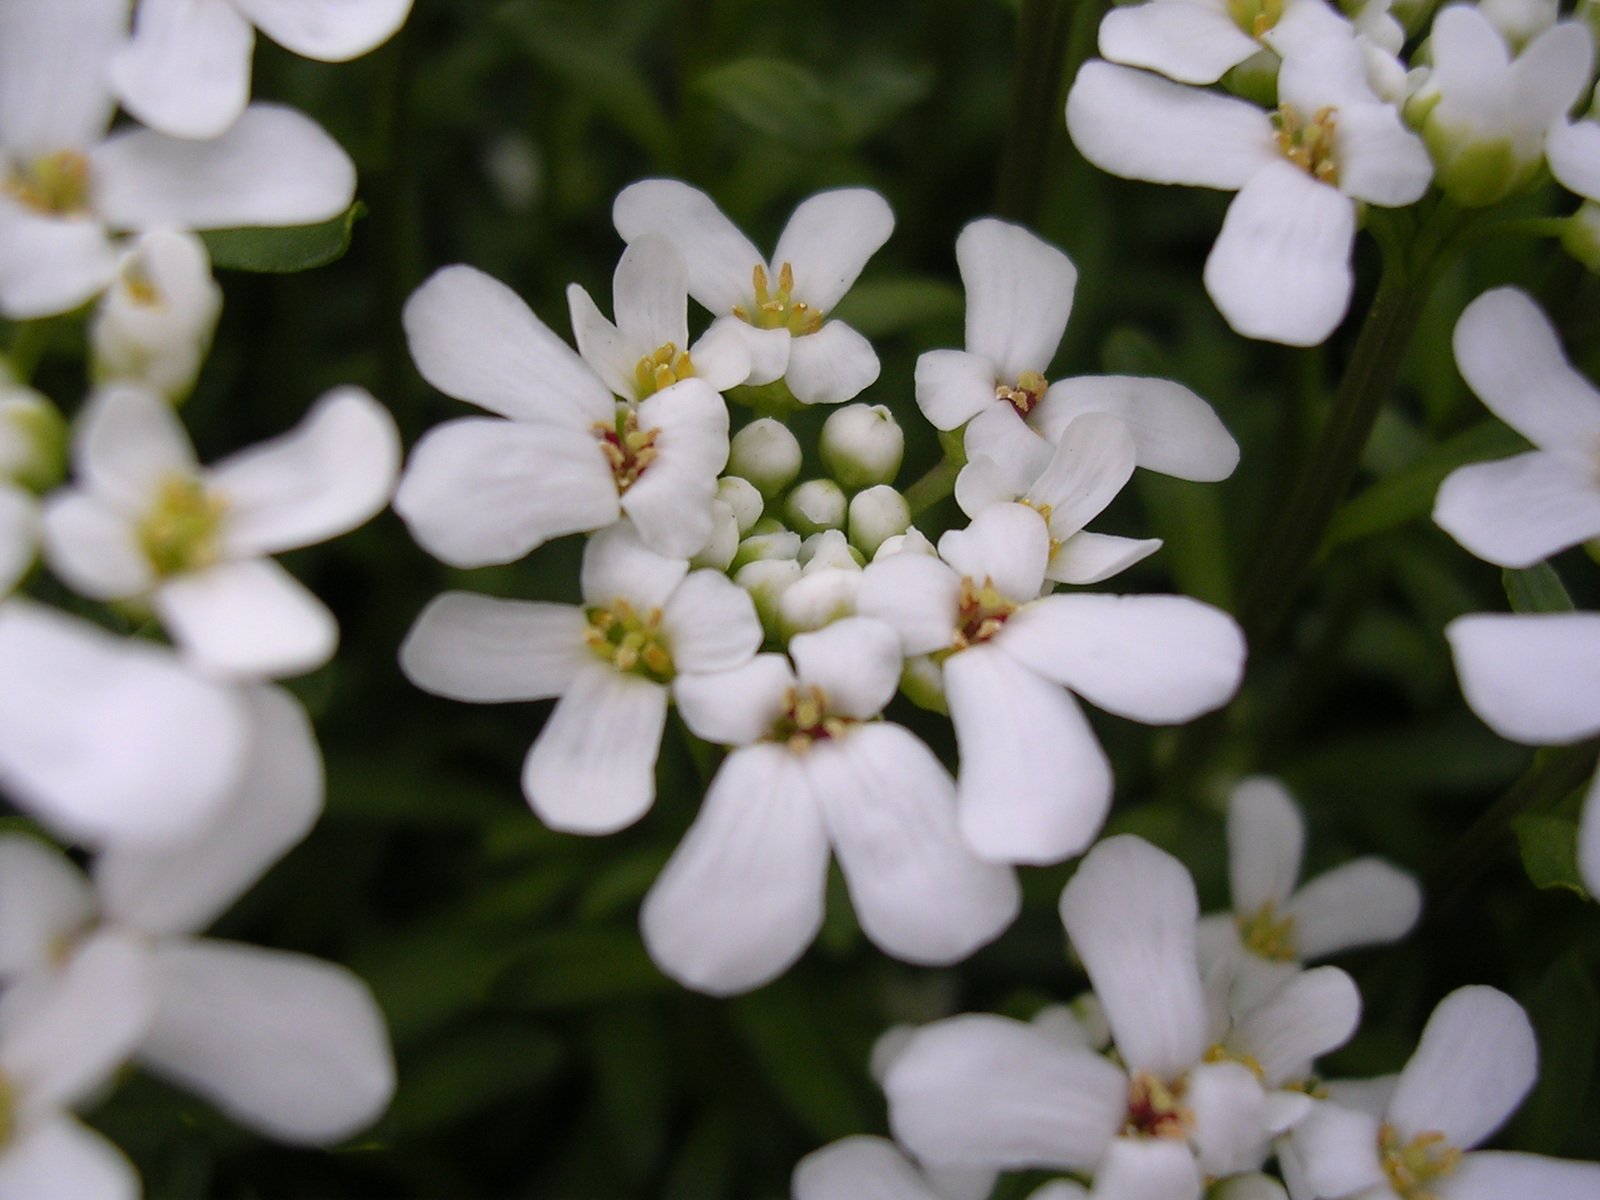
{"points": [[469, 1071], [571, 968], [286, 249], [881, 307], [1536, 589], [1549, 848], [803, 1066], [776, 97], [1188, 518]]}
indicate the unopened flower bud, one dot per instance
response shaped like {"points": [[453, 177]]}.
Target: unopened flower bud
{"points": [[33, 439], [912, 541], [819, 597], [815, 505], [765, 453], [862, 445], [741, 496], [876, 515], [1581, 235], [766, 581], [828, 549], [155, 321], [761, 547], [723, 543], [1520, 21], [922, 682]]}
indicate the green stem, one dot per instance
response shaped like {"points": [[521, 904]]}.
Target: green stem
{"points": [[1036, 104], [934, 486]]}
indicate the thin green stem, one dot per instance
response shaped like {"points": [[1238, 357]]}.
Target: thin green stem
{"points": [[933, 487], [1035, 118]]}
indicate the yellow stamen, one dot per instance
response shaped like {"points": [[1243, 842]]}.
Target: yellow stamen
{"points": [[806, 719], [778, 309], [1256, 17], [627, 448], [1308, 144], [57, 184], [661, 368], [1024, 394], [980, 612], [1412, 1166], [182, 530], [1156, 1109], [1221, 1053], [1267, 934], [631, 643]]}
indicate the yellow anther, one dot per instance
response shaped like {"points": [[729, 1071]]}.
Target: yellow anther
{"points": [[1266, 934], [805, 719], [1156, 1109], [1025, 393], [980, 612], [1256, 17], [1221, 1053], [181, 532], [629, 642], [1412, 1166], [627, 448], [57, 184], [778, 310], [661, 368], [1308, 144]]}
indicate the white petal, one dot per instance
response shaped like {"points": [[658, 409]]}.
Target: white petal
{"points": [[1379, 159], [330, 30], [484, 650], [1471, 64], [710, 623], [1006, 544], [999, 433], [767, 350], [890, 810], [720, 258], [1573, 149], [105, 738], [286, 1044], [1476, 1061], [1086, 558], [54, 94], [473, 338], [650, 293], [44, 900], [830, 366], [1130, 912], [127, 442], [1280, 269], [1337, 1150], [324, 477], [1491, 1175], [1249, 1187], [1092, 462], [249, 619], [1550, 74], [855, 661], [94, 548], [1019, 295], [1191, 43], [1532, 678], [860, 1168], [1034, 784], [617, 565], [1317, 1011], [670, 502], [916, 596], [1365, 902], [1508, 353], [50, 264], [592, 768], [186, 70], [184, 887], [19, 535], [741, 898], [990, 1091], [1141, 126], [1589, 839], [722, 354], [601, 344], [63, 1160], [1174, 431], [275, 166], [1157, 659], [737, 707], [1370, 1096], [1266, 836], [1520, 510], [479, 490], [1229, 1107], [828, 240], [954, 386], [1148, 1169]]}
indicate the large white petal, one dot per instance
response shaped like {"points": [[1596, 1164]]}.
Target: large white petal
{"points": [[860, 1168], [1550, 74], [1317, 1011], [1092, 462], [830, 366], [1573, 149], [63, 1160], [1188, 42], [741, 898], [1336, 1149], [1174, 431], [44, 900], [1476, 1061], [184, 887], [50, 264], [324, 477], [247, 620], [1495, 1175], [94, 548], [601, 344], [288, 1045], [1019, 295], [330, 30], [856, 662], [475, 339], [1266, 836], [890, 809], [828, 240], [953, 386], [916, 596], [54, 90], [479, 490], [186, 70], [710, 623], [592, 768], [1158, 659], [650, 294], [1130, 912], [737, 707], [1086, 558], [1520, 510], [1364, 902], [1034, 784], [1007, 545], [1379, 160], [126, 444], [617, 565], [1471, 70], [1280, 269], [105, 738], [485, 650], [1141, 126], [1148, 1169], [1533, 678], [720, 258], [1230, 1122], [990, 1091], [275, 166]]}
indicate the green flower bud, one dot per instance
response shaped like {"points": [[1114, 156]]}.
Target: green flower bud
{"points": [[815, 505], [766, 581], [922, 681], [741, 496], [862, 445], [765, 453], [760, 547], [876, 515], [818, 598], [1581, 235], [723, 543], [33, 439], [828, 549]]}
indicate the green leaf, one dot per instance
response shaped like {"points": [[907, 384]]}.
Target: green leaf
{"points": [[571, 968], [1188, 519], [286, 249], [469, 1071], [1550, 851], [881, 307], [1536, 589], [803, 1065], [1564, 1006], [776, 97]]}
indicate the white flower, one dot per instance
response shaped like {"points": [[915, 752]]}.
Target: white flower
{"points": [[1522, 509], [782, 304], [1192, 41], [186, 69], [858, 1167], [289, 1045], [1280, 269], [1573, 148], [154, 323], [1475, 1062], [567, 458], [1034, 784], [742, 896], [65, 185], [646, 625], [107, 739], [146, 522]]}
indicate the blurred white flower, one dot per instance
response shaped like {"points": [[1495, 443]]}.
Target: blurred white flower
{"points": [[857, 1167], [1573, 148], [782, 304], [154, 323], [1192, 41], [561, 455], [144, 521]]}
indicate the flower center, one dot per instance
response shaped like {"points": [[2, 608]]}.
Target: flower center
{"points": [[57, 184], [1308, 144], [181, 532], [779, 309], [980, 612], [1156, 1109], [1256, 17], [805, 719], [627, 448], [1028, 391], [661, 368], [632, 644], [1412, 1166], [1268, 935]]}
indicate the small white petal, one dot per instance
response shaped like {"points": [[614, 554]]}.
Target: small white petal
{"points": [[63, 1160], [484, 650], [1380, 160], [1550, 74], [1520, 510], [50, 264], [722, 355], [1280, 269], [1316, 1011], [720, 258], [650, 294], [1229, 1106], [1266, 836], [1476, 1061], [54, 90], [286, 1044], [1086, 558], [741, 898], [710, 624], [601, 344], [1130, 912], [127, 442], [1148, 1169], [1494, 1175], [1093, 460], [44, 899], [1365, 902], [186, 70], [1573, 149], [670, 502], [767, 350], [1370, 1096], [736, 707], [1019, 295], [617, 565], [828, 240], [1337, 1150], [990, 1091], [332, 32], [94, 548], [1007, 545], [1174, 431], [1191, 43], [856, 662], [860, 1168], [954, 386], [1533, 678], [916, 596], [832, 365], [249, 619]]}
